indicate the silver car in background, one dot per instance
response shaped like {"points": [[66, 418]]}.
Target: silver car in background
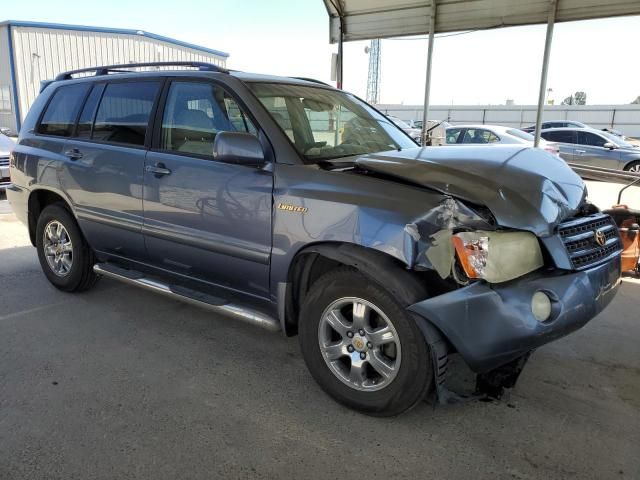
{"points": [[493, 135], [594, 148], [6, 147], [414, 133]]}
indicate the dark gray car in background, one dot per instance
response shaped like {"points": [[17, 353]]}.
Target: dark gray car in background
{"points": [[594, 148], [298, 207]]}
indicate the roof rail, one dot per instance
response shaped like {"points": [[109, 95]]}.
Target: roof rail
{"points": [[307, 79], [106, 69]]}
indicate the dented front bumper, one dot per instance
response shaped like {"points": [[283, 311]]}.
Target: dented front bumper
{"points": [[490, 325]]}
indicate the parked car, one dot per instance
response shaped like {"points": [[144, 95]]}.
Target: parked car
{"points": [[569, 124], [414, 133], [6, 146], [435, 130], [595, 148], [493, 135], [242, 194]]}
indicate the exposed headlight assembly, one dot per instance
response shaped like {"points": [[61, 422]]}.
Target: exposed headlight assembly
{"points": [[497, 256]]}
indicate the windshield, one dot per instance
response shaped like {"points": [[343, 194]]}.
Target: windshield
{"points": [[324, 124], [616, 140]]}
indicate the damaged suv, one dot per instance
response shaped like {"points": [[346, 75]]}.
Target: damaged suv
{"points": [[297, 207]]}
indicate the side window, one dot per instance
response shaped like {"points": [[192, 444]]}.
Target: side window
{"points": [[479, 135], [588, 138], [123, 114], [563, 136], [85, 122], [62, 111], [195, 112], [453, 134]]}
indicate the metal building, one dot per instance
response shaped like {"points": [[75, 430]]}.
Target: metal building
{"points": [[32, 51]]}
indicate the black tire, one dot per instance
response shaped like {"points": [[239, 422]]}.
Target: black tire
{"points": [[80, 276], [414, 377], [631, 166]]}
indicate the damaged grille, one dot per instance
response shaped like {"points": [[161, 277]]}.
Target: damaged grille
{"points": [[590, 240]]}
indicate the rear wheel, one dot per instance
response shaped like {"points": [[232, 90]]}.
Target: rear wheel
{"points": [[65, 257], [361, 345], [633, 167]]}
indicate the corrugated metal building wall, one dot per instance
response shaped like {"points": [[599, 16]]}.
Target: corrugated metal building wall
{"points": [[40, 51]]}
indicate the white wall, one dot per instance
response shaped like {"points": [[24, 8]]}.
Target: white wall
{"points": [[625, 118], [42, 53]]}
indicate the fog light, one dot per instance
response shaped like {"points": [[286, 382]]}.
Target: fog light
{"points": [[541, 306]]}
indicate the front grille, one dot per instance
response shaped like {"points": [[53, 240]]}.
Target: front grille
{"points": [[579, 238], [4, 162]]}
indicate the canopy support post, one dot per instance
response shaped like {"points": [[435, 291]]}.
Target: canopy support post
{"points": [[427, 85], [551, 19]]}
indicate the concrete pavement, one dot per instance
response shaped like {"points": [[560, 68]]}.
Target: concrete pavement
{"points": [[121, 383]]}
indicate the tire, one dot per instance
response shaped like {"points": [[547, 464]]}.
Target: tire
{"points": [[412, 377], [76, 259], [632, 167]]}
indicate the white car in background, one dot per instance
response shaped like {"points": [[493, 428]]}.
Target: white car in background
{"points": [[6, 147], [494, 135], [414, 133]]}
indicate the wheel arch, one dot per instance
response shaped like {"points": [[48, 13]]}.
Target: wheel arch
{"points": [[313, 261], [39, 199]]}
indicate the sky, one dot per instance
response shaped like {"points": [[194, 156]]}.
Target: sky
{"points": [[291, 37]]}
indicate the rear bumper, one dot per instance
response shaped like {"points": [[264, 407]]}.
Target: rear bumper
{"points": [[490, 325]]}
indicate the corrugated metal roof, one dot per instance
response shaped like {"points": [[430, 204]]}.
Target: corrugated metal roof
{"points": [[117, 31], [368, 19]]}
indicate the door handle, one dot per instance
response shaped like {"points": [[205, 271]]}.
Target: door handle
{"points": [[73, 154], [581, 151], [159, 170]]}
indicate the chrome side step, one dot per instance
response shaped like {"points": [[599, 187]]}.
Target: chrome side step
{"points": [[199, 299]]}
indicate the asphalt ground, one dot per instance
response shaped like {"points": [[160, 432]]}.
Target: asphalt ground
{"points": [[122, 383]]}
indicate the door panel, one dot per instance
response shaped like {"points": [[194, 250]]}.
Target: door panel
{"points": [[106, 161], [209, 220], [206, 219]]}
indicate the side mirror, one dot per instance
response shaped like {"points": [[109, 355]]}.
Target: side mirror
{"points": [[238, 147], [610, 146]]}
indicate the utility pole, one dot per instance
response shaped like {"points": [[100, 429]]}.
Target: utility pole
{"points": [[373, 79]]}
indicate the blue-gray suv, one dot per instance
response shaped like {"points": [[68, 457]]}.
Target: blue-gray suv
{"points": [[289, 204]]}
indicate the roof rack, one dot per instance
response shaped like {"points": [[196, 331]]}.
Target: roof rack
{"points": [[307, 79], [106, 69]]}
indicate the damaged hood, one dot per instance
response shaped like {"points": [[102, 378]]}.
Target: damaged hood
{"points": [[525, 188]]}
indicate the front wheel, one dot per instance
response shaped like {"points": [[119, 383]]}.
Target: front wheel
{"points": [[633, 167], [65, 257], [361, 345]]}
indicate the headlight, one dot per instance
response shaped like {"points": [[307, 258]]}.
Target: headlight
{"points": [[497, 256]]}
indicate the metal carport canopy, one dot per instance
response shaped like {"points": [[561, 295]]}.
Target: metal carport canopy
{"points": [[351, 20]]}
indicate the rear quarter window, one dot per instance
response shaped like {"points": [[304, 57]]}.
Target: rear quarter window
{"points": [[59, 118]]}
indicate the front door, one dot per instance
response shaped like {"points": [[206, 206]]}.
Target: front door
{"points": [[206, 219], [591, 151]]}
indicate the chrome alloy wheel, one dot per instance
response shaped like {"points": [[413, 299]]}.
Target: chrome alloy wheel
{"points": [[58, 248], [359, 344], [634, 168]]}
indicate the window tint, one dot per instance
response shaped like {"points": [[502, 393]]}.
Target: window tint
{"points": [[565, 136], [88, 112], [588, 138], [453, 134], [195, 112], [62, 111], [479, 135], [124, 112]]}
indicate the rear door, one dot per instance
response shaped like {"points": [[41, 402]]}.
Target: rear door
{"points": [[206, 219], [565, 140], [591, 151], [106, 162]]}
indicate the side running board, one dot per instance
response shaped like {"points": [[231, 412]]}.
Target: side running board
{"points": [[199, 299]]}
